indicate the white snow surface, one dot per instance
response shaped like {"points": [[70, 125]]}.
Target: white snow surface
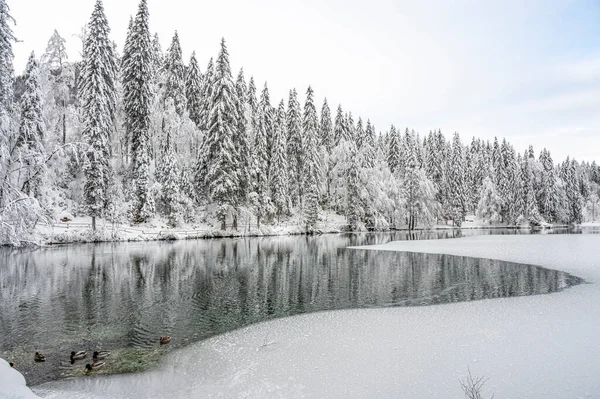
{"points": [[12, 383], [545, 346]]}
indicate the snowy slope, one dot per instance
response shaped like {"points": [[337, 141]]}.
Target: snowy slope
{"points": [[530, 347], [12, 383]]}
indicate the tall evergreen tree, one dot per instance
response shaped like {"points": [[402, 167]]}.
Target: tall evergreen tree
{"points": [[98, 94], [310, 162], [7, 72], [207, 88], [167, 168], [193, 90], [268, 116], [294, 148], [241, 141], [137, 102], [339, 130], [32, 130], [222, 177], [279, 166], [326, 128], [393, 154], [175, 76], [457, 190]]}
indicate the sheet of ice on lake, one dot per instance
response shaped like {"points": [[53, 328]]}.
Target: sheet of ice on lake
{"points": [[543, 346]]}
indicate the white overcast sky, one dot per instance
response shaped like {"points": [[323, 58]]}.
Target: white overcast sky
{"points": [[526, 70]]}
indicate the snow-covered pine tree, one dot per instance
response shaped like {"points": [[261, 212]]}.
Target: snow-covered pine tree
{"points": [[369, 146], [574, 198], [6, 59], [207, 88], [393, 151], [137, 102], [56, 52], [252, 109], [360, 134], [222, 174], [547, 193], [457, 190], [339, 131], [354, 211], [260, 197], [241, 141], [61, 77], [294, 148], [310, 162], [193, 90], [127, 80], [168, 173], [98, 95], [326, 128], [32, 132], [490, 203], [157, 63], [174, 72], [349, 127], [268, 115], [279, 166]]}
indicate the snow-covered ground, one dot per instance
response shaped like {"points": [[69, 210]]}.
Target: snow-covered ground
{"points": [[12, 383], [544, 346]]}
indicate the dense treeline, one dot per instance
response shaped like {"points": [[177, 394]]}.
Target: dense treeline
{"points": [[141, 135]]}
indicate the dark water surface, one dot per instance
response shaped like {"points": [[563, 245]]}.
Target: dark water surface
{"points": [[123, 296]]}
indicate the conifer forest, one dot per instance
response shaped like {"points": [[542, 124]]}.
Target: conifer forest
{"points": [[137, 134]]}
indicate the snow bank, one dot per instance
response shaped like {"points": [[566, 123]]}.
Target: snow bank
{"points": [[12, 383], [543, 346]]}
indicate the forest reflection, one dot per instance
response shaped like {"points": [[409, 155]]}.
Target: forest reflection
{"points": [[127, 295]]}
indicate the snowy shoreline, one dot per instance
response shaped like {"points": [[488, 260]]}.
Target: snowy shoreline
{"points": [[79, 235], [535, 346]]}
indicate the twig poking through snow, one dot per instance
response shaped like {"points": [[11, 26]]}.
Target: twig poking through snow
{"points": [[266, 342], [472, 386]]}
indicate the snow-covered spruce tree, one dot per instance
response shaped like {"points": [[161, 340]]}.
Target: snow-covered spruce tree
{"points": [[222, 177], [490, 203], [574, 199], [32, 132], [6, 59], [349, 127], [393, 151], [252, 120], [369, 146], [326, 128], [137, 102], [167, 166], [98, 95], [279, 167], [294, 148], [260, 195], [310, 162], [268, 115], [354, 210], [339, 130], [207, 88], [457, 190], [193, 90], [127, 79], [174, 72], [156, 63], [547, 192], [360, 134], [241, 142]]}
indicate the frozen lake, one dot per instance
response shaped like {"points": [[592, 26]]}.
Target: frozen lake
{"points": [[122, 297]]}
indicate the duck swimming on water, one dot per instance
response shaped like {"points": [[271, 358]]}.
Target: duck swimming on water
{"points": [[100, 355], [165, 340], [77, 356], [93, 366], [38, 357]]}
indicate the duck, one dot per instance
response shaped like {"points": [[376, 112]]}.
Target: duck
{"points": [[38, 357], [165, 340], [77, 356], [100, 355], [11, 364], [93, 366]]}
